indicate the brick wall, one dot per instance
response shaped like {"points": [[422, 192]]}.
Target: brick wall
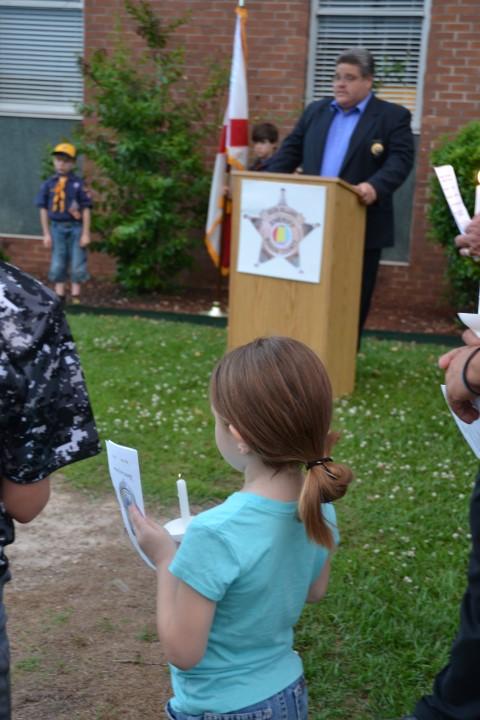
{"points": [[31, 256], [451, 98], [277, 46], [278, 34]]}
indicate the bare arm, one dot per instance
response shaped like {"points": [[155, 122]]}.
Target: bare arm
{"points": [[25, 502], [184, 617], [86, 220], [47, 238], [318, 588]]}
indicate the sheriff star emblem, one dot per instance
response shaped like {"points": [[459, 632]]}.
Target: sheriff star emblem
{"points": [[282, 229]]}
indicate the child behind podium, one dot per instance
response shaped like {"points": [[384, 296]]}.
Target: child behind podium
{"points": [[264, 139]]}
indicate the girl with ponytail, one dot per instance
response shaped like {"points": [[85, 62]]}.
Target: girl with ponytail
{"points": [[229, 597]]}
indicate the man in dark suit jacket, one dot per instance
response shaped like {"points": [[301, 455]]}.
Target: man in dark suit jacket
{"points": [[363, 140]]}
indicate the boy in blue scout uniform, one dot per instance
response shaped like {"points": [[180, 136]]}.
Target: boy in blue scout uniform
{"points": [[65, 214]]}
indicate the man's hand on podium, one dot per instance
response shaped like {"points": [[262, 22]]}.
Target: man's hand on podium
{"points": [[366, 193]]}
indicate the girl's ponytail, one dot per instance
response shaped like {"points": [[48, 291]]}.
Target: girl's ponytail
{"points": [[325, 481], [277, 394]]}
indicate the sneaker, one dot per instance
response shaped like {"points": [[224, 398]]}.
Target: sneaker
{"points": [[75, 300]]}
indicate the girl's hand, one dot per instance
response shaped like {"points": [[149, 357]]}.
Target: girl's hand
{"points": [[84, 240], [154, 540], [47, 240]]}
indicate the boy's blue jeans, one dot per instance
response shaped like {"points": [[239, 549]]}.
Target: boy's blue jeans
{"points": [[68, 258], [289, 704]]}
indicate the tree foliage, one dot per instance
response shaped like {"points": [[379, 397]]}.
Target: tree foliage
{"points": [[463, 153], [144, 131]]}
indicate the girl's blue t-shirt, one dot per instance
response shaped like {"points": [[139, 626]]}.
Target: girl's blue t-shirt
{"points": [[252, 557]]}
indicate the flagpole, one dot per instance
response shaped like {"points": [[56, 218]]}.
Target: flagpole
{"points": [[216, 309], [232, 152]]}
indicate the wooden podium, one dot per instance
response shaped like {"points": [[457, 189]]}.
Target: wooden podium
{"points": [[323, 314]]}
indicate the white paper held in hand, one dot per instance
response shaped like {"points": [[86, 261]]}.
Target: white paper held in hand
{"points": [[448, 182], [125, 475], [471, 320]]}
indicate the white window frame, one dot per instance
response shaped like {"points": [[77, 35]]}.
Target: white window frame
{"points": [[318, 11], [38, 109]]}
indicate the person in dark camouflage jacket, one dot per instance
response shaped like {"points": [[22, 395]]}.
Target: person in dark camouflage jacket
{"points": [[46, 421]]}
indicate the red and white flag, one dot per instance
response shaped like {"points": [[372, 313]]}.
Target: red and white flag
{"points": [[232, 151]]}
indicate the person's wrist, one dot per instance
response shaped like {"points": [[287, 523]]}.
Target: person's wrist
{"points": [[471, 384]]}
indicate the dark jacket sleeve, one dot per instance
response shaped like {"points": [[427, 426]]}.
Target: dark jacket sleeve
{"points": [[41, 201], [399, 155]]}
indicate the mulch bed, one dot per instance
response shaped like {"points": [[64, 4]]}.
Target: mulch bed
{"points": [[100, 293]]}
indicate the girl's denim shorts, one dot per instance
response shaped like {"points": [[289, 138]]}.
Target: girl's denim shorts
{"points": [[288, 704]]}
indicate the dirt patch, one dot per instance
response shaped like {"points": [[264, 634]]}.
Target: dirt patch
{"points": [[81, 608]]}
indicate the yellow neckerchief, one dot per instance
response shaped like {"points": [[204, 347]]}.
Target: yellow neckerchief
{"points": [[58, 204]]}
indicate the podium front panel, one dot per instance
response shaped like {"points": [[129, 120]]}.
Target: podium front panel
{"points": [[323, 314]]}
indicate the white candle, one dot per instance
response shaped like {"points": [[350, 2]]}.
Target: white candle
{"points": [[183, 499], [477, 196]]}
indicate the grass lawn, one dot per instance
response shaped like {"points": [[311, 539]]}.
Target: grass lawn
{"points": [[372, 647]]}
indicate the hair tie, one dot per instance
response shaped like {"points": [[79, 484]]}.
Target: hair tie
{"points": [[321, 461]]}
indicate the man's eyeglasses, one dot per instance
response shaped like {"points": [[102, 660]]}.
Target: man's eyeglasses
{"points": [[345, 78]]}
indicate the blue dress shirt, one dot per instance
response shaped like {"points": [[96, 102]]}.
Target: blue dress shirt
{"points": [[338, 137]]}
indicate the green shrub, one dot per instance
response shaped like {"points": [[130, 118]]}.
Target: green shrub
{"points": [[463, 153], [145, 132]]}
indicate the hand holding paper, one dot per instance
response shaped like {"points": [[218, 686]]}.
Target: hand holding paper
{"points": [[469, 242], [153, 539], [470, 430], [125, 475], [461, 401]]}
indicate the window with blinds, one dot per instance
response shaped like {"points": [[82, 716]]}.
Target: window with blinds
{"points": [[394, 31], [40, 44]]}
